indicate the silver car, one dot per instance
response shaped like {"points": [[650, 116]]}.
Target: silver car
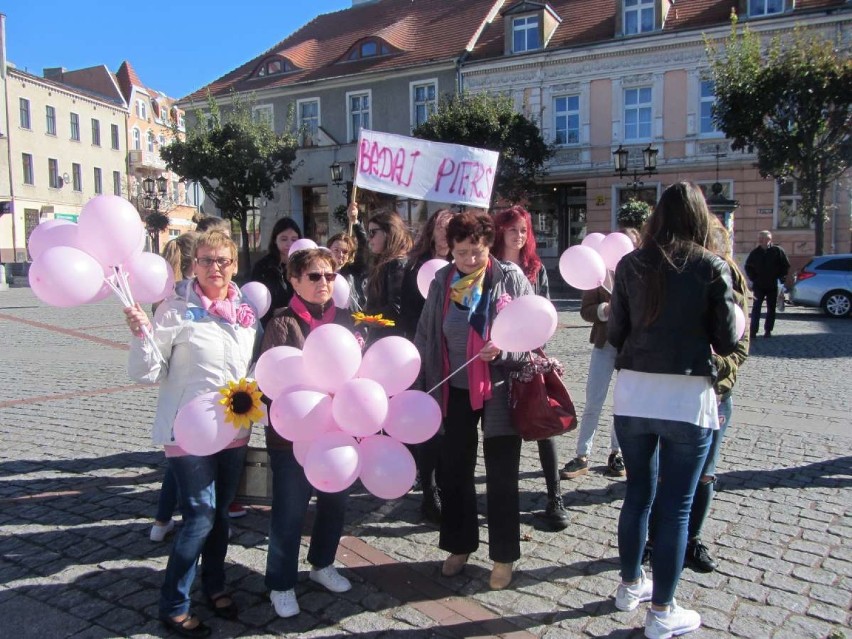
{"points": [[825, 281]]}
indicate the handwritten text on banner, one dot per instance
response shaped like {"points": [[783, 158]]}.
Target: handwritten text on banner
{"points": [[424, 170]]}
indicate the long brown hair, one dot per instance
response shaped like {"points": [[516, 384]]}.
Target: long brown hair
{"points": [[424, 245], [397, 245], [677, 231]]}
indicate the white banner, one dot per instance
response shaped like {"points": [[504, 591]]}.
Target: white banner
{"points": [[423, 170]]}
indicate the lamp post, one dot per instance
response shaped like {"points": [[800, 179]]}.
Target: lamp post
{"points": [[337, 177], [155, 193], [649, 157]]}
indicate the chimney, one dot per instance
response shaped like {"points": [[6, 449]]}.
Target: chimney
{"points": [[54, 73]]}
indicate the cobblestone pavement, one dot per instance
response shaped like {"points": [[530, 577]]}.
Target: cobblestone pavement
{"points": [[79, 479]]}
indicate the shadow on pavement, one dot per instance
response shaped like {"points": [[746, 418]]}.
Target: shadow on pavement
{"points": [[833, 473]]}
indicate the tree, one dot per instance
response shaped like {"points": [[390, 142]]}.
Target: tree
{"points": [[792, 105], [155, 223], [491, 122], [235, 159]]}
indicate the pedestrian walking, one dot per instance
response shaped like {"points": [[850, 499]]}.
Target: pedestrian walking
{"points": [[766, 266]]}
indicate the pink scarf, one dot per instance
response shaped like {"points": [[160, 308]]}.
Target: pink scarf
{"points": [[226, 308], [297, 305]]}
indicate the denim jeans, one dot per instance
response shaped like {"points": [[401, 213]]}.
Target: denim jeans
{"points": [[601, 367], [675, 452], [167, 501], [206, 487], [291, 493]]}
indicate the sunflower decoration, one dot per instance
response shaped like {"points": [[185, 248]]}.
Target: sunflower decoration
{"points": [[372, 320], [242, 403]]}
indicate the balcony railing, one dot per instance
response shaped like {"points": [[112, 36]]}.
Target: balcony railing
{"points": [[146, 160]]}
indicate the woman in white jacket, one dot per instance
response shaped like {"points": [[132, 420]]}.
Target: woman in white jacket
{"points": [[206, 333]]}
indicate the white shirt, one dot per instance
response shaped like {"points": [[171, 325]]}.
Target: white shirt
{"points": [[682, 398]]}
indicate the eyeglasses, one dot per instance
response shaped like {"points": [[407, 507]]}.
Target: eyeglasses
{"points": [[207, 262], [372, 232], [316, 277]]}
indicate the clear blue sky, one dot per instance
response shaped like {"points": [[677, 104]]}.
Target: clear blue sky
{"points": [[176, 46]]}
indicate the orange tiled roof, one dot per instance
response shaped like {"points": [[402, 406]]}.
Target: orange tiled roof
{"points": [[419, 32]]}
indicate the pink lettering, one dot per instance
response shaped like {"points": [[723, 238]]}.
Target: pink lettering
{"points": [[446, 168], [386, 163]]}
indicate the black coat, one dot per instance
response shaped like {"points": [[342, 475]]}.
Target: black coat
{"points": [[269, 271], [765, 267]]}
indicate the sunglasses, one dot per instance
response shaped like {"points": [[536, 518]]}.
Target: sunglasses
{"points": [[316, 277], [372, 232], [207, 262]]}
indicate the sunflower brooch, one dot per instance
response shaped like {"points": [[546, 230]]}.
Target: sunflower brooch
{"points": [[242, 403], [372, 320]]}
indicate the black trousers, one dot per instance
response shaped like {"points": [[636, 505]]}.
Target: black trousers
{"points": [[771, 297], [459, 517]]}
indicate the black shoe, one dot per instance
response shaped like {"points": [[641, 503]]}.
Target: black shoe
{"points": [[224, 606], [698, 557], [615, 466], [430, 507], [555, 514], [753, 335], [574, 468], [180, 627], [646, 554], [768, 334]]}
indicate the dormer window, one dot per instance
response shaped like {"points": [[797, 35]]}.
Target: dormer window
{"points": [[638, 16], [525, 34], [369, 48], [275, 66], [761, 8]]}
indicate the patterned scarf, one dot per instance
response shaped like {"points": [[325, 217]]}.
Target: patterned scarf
{"points": [[225, 309], [300, 308], [469, 292]]}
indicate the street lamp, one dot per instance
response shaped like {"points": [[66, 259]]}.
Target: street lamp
{"points": [[336, 174], [649, 158], [155, 193]]}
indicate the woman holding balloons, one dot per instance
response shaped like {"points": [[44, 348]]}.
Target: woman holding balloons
{"points": [[311, 275], [672, 307], [206, 334], [515, 242], [454, 335]]}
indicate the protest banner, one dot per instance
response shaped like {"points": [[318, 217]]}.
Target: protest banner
{"points": [[423, 170]]}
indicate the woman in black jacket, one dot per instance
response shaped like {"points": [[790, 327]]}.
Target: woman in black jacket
{"points": [[389, 243], [271, 270], [672, 302]]}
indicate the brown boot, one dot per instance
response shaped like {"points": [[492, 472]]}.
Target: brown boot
{"points": [[501, 575], [454, 564]]}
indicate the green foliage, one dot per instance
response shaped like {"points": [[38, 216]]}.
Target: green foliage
{"points": [[633, 214], [234, 158], [490, 122], [156, 222], [792, 105]]}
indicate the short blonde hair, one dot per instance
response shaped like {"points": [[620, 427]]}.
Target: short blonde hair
{"points": [[215, 239]]}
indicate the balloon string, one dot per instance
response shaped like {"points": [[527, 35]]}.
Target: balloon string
{"points": [[465, 365], [121, 287]]}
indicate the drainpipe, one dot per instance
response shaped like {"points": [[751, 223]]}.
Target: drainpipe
{"points": [[3, 75]]}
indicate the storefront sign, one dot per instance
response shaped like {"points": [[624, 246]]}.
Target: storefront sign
{"points": [[71, 217]]}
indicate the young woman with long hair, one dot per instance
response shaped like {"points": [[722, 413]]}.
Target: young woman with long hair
{"points": [[389, 242]]}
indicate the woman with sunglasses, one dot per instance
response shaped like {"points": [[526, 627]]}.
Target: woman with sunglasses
{"points": [[389, 243], [206, 332], [271, 270], [311, 274], [352, 257]]}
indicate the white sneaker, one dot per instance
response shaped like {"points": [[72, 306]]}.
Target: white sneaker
{"points": [[629, 597], [284, 602], [677, 621], [158, 532], [330, 579]]}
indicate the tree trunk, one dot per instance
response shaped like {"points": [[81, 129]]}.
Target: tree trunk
{"points": [[819, 230], [245, 253]]}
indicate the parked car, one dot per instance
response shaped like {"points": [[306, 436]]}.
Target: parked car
{"points": [[825, 281]]}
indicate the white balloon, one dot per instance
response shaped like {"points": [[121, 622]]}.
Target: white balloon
{"points": [[340, 291], [301, 245], [258, 295], [427, 273]]}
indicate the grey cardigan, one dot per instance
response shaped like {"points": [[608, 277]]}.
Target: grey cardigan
{"points": [[429, 339]]}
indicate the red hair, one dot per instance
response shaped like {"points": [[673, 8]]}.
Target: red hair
{"points": [[530, 261]]}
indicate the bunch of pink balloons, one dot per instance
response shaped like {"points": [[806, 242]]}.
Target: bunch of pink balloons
{"points": [[333, 404], [585, 265]]}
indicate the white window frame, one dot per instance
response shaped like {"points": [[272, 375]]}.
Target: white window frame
{"points": [[74, 126], [96, 132], [412, 92], [264, 113], [50, 119], [141, 109], [764, 8], [313, 136], [77, 176], [702, 100], [795, 199], [136, 134], [639, 8], [352, 136], [27, 168], [150, 141], [566, 113], [639, 107], [523, 25]]}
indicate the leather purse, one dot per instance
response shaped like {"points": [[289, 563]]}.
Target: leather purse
{"points": [[539, 403]]}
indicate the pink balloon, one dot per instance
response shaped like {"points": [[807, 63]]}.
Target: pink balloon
{"points": [[279, 369], [109, 229], [413, 417], [64, 276], [427, 273], [387, 467], [151, 277], [300, 245], [593, 240], [739, 321], [301, 415], [258, 296], [524, 324], [340, 292], [613, 248], [360, 407], [52, 233], [331, 357], [333, 462], [200, 427], [582, 267], [300, 450], [393, 362]]}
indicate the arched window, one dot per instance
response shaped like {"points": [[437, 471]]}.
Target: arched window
{"points": [[137, 140], [274, 66], [369, 48], [152, 139]]}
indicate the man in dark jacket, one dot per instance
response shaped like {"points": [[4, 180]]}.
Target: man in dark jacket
{"points": [[765, 266]]}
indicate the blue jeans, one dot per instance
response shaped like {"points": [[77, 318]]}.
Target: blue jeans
{"points": [[675, 452], [291, 493], [167, 501], [726, 408], [206, 487], [601, 367]]}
